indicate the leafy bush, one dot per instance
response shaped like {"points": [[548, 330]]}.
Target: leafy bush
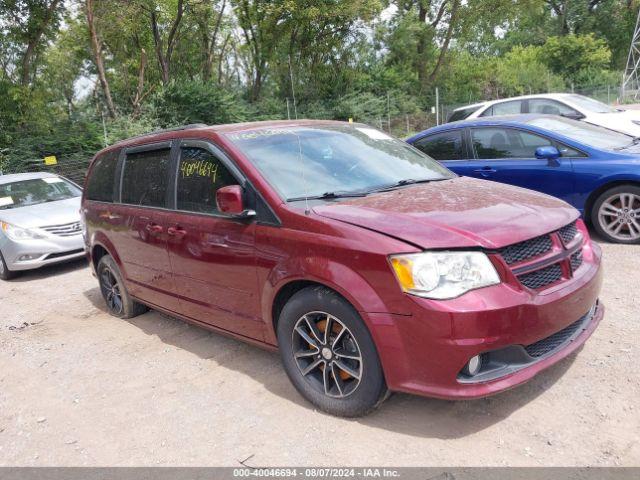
{"points": [[195, 101], [570, 55]]}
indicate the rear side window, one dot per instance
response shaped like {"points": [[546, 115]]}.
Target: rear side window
{"points": [[200, 174], [462, 113], [443, 146], [100, 183], [144, 179], [513, 107]]}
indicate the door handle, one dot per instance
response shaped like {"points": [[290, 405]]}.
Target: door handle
{"points": [[153, 228], [485, 171], [176, 231]]}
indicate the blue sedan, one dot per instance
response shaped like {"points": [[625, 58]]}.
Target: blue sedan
{"points": [[594, 169]]}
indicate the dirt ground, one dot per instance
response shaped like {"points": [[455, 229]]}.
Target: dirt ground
{"points": [[79, 387]]}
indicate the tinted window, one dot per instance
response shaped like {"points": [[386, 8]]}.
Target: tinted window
{"points": [[442, 146], [504, 108], [37, 190], [506, 143], [462, 113], [100, 183], [144, 180], [549, 107], [200, 174]]}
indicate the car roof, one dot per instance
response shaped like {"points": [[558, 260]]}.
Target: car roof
{"points": [[225, 128], [16, 177], [502, 120], [556, 96]]}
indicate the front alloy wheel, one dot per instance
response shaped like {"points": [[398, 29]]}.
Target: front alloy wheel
{"points": [[617, 214], [327, 354]]}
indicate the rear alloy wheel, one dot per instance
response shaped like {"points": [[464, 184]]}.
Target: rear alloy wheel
{"points": [[5, 273], [115, 294], [328, 353], [616, 214]]}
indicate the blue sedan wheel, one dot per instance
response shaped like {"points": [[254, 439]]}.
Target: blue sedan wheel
{"points": [[616, 214]]}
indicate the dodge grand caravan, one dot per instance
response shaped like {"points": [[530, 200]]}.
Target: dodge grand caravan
{"points": [[369, 266]]}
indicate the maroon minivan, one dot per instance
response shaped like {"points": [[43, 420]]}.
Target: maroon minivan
{"points": [[367, 264]]}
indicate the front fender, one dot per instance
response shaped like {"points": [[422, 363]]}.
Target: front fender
{"points": [[337, 276]]}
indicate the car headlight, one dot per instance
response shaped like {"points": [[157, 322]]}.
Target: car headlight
{"points": [[17, 234], [442, 275]]}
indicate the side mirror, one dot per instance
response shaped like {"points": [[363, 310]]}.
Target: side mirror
{"points": [[229, 201], [550, 153]]}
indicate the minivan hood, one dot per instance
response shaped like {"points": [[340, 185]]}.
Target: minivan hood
{"points": [[462, 212], [44, 214]]}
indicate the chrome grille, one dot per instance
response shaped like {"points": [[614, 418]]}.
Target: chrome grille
{"points": [[568, 233], [66, 230], [519, 252], [543, 277]]}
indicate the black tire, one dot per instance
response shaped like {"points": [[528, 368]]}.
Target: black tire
{"points": [[111, 286], [5, 273], [358, 396], [599, 222]]}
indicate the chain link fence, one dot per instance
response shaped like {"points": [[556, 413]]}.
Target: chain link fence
{"points": [[389, 117]]}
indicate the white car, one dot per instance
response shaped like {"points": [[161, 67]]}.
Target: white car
{"points": [[39, 222], [569, 105]]}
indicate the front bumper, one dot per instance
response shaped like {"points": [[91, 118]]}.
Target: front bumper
{"points": [[30, 254], [424, 353]]}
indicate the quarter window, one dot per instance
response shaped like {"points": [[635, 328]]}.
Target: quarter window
{"points": [[100, 183], [567, 151], [506, 143], [144, 180], [200, 174], [443, 146]]}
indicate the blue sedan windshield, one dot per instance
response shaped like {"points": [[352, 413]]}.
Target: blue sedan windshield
{"points": [[582, 132]]}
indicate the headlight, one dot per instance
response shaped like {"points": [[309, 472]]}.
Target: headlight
{"points": [[17, 234], [442, 275]]}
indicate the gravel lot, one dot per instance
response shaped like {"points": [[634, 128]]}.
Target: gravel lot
{"points": [[79, 387]]}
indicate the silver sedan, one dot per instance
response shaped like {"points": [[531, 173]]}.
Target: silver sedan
{"points": [[39, 222]]}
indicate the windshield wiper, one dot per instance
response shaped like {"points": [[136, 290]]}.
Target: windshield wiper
{"points": [[407, 181], [329, 195]]}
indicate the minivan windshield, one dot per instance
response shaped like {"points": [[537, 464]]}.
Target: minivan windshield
{"points": [[597, 137], [329, 161], [24, 193], [591, 105]]}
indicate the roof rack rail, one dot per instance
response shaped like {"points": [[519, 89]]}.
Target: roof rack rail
{"points": [[164, 130]]}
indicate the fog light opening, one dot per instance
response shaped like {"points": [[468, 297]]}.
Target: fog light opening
{"points": [[27, 257], [473, 366]]}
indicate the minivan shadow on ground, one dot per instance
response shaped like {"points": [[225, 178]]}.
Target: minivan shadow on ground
{"points": [[406, 414]]}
